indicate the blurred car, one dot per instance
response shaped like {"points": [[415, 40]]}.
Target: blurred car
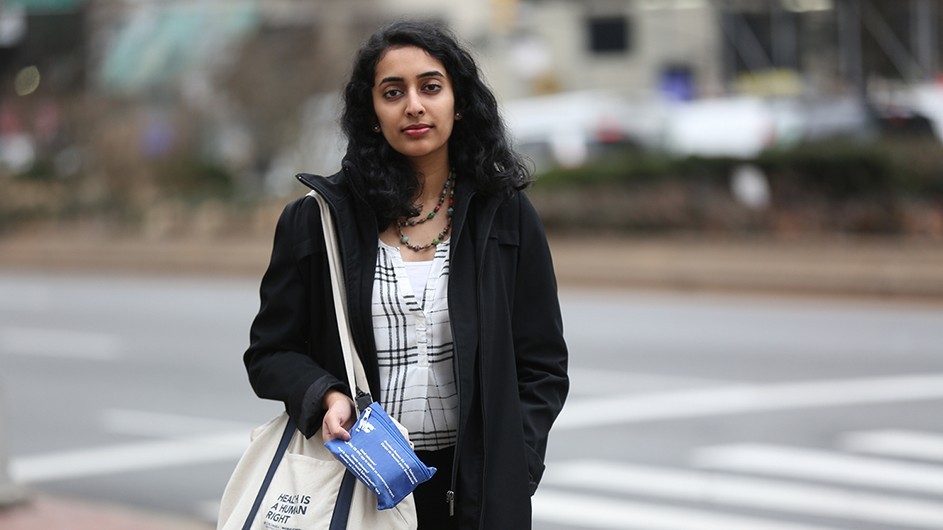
{"points": [[744, 126], [923, 103], [739, 127], [835, 117], [568, 129]]}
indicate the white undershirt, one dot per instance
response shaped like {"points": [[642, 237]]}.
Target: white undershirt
{"points": [[418, 272]]}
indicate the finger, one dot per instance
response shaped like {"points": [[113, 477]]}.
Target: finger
{"points": [[326, 435], [329, 427], [334, 428], [338, 434], [342, 434]]}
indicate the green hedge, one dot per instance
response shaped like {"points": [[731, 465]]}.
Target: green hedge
{"points": [[823, 187], [837, 171]]}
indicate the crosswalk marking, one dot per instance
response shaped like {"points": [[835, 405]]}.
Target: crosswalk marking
{"points": [[130, 457], [714, 488], [162, 424], [899, 443], [748, 398], [822, 465], [59, 343], [581, 511], [594, 382]]}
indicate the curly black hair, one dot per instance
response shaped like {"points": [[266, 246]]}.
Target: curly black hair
{"points": [[480, 151]]}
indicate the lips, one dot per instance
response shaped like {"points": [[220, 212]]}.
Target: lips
{"points": [[417, 129]]}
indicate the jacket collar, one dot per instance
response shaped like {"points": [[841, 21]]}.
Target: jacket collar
{"points": [[336, 188], [341, 193]]}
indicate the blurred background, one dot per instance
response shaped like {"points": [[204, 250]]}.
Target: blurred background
{"points": [[782, 118], [744, 199]]}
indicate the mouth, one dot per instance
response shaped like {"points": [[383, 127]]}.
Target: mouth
{"points": [[417, 129]]}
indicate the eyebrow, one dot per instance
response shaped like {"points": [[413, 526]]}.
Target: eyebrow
{"points": [[431, 73]]}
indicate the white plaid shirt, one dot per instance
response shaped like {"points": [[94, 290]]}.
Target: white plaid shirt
{"points": [[414, 349]]}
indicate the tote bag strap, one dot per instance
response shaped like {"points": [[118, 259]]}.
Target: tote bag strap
{"points": [[270, 474], [356, 376]]}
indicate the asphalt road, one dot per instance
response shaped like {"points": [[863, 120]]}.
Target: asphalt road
{"points": [[687, 411]]}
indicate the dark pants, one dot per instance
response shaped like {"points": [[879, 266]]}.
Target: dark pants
{"points": [[432, 506]]}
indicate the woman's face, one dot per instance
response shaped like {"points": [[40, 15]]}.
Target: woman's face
{"points": [[414, 103]]}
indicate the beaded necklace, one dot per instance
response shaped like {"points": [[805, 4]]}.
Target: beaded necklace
{"points": [[448, 190]]}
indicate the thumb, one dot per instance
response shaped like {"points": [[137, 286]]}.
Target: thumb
{"points": [[333, 426], [332, 429]]}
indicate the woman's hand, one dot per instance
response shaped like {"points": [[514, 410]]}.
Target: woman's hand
{"points": [[339, 417]]}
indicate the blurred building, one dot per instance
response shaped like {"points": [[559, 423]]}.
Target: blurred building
{"points": [[242, 79], [683, 49], [48, 35], [580, 74]]}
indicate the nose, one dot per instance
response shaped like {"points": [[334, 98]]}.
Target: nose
{"points": [[414, 105]]}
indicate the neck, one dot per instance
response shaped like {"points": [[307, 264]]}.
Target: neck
{"points": [[432, 176]]}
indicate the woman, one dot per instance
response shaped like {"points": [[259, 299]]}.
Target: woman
{"points": [[450, 287]]}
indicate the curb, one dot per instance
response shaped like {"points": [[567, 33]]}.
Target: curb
{"points": [[840, 267], [873, 269]]}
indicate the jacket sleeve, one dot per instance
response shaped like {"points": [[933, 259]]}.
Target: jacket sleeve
{"points": [[278, 361], [540, 350]]}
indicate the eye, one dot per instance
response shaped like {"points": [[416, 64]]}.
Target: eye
{"points": [[391, 93], [432, 87]]}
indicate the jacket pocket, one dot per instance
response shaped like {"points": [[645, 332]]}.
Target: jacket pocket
{"points": [[506, 237], [503, 248], [535, 468]]}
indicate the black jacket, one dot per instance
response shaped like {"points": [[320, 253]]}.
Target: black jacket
{"points": [[506, 327]]}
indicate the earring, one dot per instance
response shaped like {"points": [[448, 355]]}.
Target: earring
{"points": [[458, 115], [376, 128]]}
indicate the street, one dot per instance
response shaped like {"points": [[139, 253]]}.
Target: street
{"points": [[687, 411]]}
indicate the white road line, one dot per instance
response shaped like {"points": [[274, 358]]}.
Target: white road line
{"points": [[164, 425], [714, 488], [822, 465], [59, 343], [581, 511], [124, 458], [589, 381], [899, 443], [740, 399]]}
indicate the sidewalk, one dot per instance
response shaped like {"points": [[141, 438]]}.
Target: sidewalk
{"points": [[51, 513], [864, 268], [843, 267]]}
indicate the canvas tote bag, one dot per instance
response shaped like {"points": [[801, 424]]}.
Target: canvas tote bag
{"points": [[285, 481]]}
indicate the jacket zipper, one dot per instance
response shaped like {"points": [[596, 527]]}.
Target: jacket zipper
{"points": [[450, 494]]}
